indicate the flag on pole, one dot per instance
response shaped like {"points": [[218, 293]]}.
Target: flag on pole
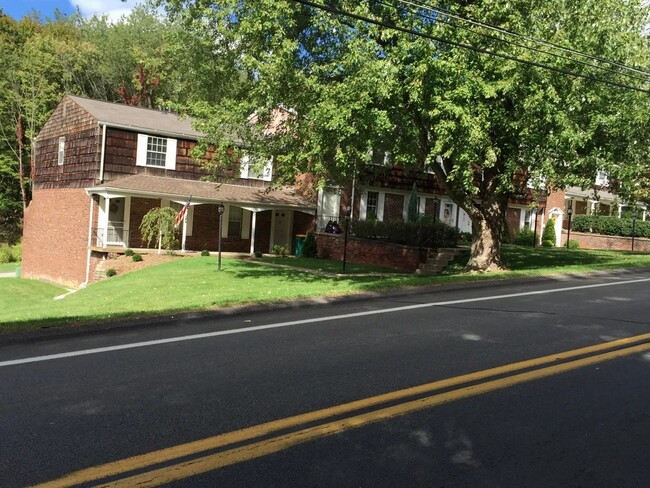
{"points": [[182, 212]]}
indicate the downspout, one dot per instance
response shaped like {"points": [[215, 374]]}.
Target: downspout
{"points": [[102, 155], [90, 239]]}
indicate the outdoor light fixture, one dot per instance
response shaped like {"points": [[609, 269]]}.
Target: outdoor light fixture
{"points": [[221, 209], [634, 217], [568, 232], [348, 212]]}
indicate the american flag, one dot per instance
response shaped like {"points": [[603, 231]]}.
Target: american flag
{"points": [[182, 212]]}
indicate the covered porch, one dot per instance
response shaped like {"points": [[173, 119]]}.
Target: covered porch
{"points": [[251, 218]]}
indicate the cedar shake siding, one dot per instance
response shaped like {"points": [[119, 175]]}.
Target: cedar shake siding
{"points": [[55, 237]]}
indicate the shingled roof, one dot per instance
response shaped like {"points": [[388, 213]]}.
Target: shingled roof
{"points": [[138, 119], [206, 192]]}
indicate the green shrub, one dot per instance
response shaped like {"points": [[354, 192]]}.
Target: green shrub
{"points": [[136, 257], [6, 256], [110, 273], [205, 252], [574, 244], [281, 251], [309, 247], [609, 226], [548, 234], [548, 243], [524, 237], [258, 254], [17, 252], [424, 233], [128, 252]]}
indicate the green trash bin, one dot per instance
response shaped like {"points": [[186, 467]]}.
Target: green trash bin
{"points": [[298, 241]]}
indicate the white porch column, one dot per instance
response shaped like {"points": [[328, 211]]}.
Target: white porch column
{"points": [[184, 229], [107, 206], [253, 222], [620, 210]]}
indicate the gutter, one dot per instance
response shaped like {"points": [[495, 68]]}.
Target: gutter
{"points": [[146, 130], [103, 155]]}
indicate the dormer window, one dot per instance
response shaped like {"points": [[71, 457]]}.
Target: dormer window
{"points": [[602, 178], [156, 152], [249, 170]]}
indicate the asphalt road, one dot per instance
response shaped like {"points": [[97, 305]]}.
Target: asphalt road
{"points": [[587, 425]]}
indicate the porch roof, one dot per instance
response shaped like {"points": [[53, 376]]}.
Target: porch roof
{"points": [[204, 192]]}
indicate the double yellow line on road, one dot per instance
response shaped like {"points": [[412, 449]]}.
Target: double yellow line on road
{"points": [[476, 383]]}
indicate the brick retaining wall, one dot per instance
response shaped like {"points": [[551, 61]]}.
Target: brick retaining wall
{"points": [[361, 251], [614, 243]]}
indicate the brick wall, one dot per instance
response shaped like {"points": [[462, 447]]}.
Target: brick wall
{"points": [[55, 236], [330, 246], [513, 216], [139, 208], [614, 243], [393, 207]]}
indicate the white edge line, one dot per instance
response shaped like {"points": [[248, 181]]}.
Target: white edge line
{"points": [[243, 330]]}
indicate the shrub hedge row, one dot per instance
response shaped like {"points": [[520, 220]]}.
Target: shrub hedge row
{"points": [[417, 234], [609, 226]]}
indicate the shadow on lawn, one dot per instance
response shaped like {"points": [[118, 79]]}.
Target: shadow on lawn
{"points": [[294, 275], [517, 258]]}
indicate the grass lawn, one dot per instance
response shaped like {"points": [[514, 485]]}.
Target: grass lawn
{"points": [[195, 284]]}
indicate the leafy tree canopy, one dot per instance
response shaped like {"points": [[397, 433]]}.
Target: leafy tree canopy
{"points": [[484, 110]]}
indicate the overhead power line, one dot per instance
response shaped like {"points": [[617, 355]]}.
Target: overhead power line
{"points": [[461, 45], [440, 12], [525, 37]]}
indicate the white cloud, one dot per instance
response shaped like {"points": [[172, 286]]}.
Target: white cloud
{"points": [[113, 9]]}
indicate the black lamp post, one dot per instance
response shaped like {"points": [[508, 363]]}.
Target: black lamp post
{"points": [[221, 209], [568, 231], [536, 210], [345, 237], [634, 217]]}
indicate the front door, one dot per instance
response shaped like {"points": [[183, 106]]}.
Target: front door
{"points": [[115, 235], [281, 223]]}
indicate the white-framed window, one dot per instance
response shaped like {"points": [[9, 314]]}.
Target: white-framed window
{"points": [[381, 158], [372, 204], [527, 218], [602, 178], [156, 151], [235, 218], [61, 156], [252, 170]]}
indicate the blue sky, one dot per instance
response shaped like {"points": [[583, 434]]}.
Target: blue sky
{"points": [[113, 8]]}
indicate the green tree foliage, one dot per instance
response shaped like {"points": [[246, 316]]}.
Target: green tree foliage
{"points": [[483, 124], [158, 225]]}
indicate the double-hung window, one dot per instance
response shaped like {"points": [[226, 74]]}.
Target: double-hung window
{"points": [[156, 152], [61, 154], [235, 217], [372, 205]]}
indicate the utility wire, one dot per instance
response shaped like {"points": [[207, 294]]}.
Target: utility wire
{"points": [[560, 47], [645, 78], [461, 45]]}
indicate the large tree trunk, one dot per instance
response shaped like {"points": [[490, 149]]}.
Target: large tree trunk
{"points": [[487, 236]]}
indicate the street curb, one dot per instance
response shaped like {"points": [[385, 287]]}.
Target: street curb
{"points": [[63, 331]]}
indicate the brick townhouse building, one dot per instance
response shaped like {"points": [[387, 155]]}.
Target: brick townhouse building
{"points": [[100, 167]]}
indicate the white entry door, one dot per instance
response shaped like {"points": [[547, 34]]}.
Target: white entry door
{"points": [[281, 228]]}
